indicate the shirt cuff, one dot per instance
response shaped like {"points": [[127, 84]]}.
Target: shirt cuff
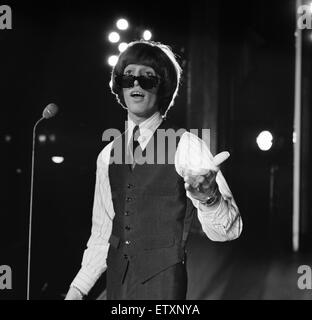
{"points": [[212, 209], [84, 281]]}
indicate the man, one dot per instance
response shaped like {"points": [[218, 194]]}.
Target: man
{"points": [[143, 211]]}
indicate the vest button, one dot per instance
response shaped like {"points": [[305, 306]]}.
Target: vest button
{"points": [[127, 242], [129, 186], [126, 256], [127, 228], [129, 199], [127, 213]]}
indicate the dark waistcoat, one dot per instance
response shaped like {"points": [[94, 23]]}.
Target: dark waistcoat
{"points": [[152, 214]]}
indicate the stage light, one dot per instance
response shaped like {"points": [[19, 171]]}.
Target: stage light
{"points": [[122, 46], [114, 37], [147, 35], [18, 171], [294, 137], [122, 24], [57, 159], [52, 137], [112, 60], [265, 140], [7, 138], [42, 138]]}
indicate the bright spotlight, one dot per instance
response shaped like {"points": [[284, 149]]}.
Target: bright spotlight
{"points": [[42, 138], [112, 60], [147, 35], [57, 159], [52, 137], [114, 37], [294, 137], [265, 140], [122, 24], [7, 138], [122, 46]]}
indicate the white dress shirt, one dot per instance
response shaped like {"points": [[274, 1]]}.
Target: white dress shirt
{"points": [[220, 222]]}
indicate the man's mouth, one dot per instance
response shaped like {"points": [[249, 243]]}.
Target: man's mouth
{"points": [[137, 94]]}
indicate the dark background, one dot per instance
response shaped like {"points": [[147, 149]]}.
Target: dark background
{"points": [[57, 51]]}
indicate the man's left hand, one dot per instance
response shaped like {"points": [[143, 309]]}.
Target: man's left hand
{"points": [[203, 187]]}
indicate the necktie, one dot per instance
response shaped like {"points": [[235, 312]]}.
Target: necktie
{"points": [[135, 144]]}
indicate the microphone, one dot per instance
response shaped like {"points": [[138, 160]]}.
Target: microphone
{"points": [[49, 112]]}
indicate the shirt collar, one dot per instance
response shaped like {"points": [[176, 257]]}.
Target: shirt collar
{"points": [[147, 128]]}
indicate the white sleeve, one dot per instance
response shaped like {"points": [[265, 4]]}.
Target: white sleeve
{"points": [[94, 257], [222, 221]]}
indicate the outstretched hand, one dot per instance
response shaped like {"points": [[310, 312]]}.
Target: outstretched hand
{"points": [[202, 187]]}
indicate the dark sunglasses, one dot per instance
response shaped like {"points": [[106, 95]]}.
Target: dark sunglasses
{"points": [[145, 82]]}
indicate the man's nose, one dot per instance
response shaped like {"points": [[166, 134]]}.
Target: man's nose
{"points": [[136, 83]]}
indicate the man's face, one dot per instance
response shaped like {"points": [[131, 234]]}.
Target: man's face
{"points": [[140, 102]]}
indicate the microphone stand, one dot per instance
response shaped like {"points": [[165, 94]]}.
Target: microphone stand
{"points": [[31, 203]]}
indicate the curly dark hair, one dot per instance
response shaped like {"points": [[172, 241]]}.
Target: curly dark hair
{"points": [[158, 56]]}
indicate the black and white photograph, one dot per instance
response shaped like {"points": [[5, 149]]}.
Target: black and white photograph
{"points": [[155, 151]]}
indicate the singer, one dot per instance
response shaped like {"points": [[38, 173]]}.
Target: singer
{"points": [[142, 213]]}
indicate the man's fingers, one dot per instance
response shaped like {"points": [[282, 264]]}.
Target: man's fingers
{"points": [[220, 157], [194, 181], [188, 179], [200, 179], [188, 187]]}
